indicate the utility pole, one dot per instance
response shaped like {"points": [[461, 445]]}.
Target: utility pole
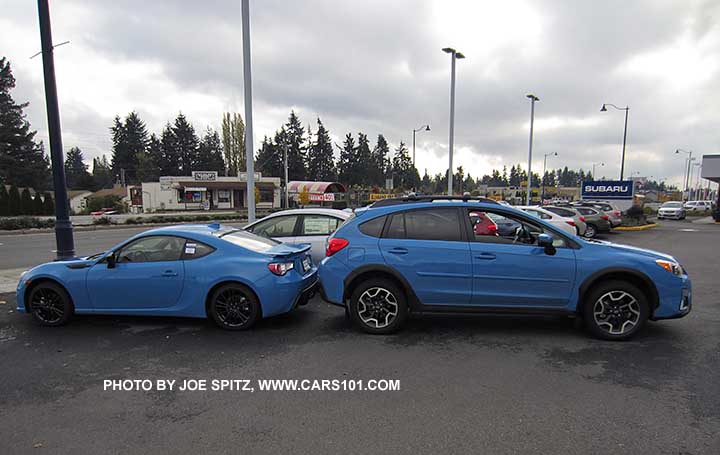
{"points": [[247, 80], [454, 55], [285, 149], [63, 227]]}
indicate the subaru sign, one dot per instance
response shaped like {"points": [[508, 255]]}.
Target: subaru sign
{"points": [[608, 189]]}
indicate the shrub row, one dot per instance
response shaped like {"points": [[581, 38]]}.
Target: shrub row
{"points": [[25, 222]]}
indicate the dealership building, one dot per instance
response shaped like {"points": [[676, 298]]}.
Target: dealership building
{"points": [[204, 190]]}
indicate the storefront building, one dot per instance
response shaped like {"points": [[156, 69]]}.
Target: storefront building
{"points": [[206, 190]]}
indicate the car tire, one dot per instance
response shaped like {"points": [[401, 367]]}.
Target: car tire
{"points": [[49, 304], [234, 307], [615, 310], [389, 310], [590, 231]]}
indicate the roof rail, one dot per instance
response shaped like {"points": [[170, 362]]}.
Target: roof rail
{"points": [[428, 198]]}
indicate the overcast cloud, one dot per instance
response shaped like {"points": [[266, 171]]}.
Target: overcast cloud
{"points": [[377, 67]]}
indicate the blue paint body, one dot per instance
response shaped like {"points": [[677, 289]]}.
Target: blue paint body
{"points": [[176, 288], [495, 275]]}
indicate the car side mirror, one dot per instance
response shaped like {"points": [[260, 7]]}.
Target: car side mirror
{"points": [[546, 241], [111, 261]]}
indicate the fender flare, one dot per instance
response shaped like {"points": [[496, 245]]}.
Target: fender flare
{"points": [[413, 300], [653, 297]]}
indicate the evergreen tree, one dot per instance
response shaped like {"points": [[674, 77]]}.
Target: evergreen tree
{"points": [[233, 143], [321, 162], [49, 204], [270, 156], [210, 154], [76, 173], [148, 167], [14, 205], [26, 205], [363, 161], [405, 176], [294, 138], [130, 139], [346, 165], [168, 160], [380, 161], [3, 200], [187, 145], [22, 160], [101, 173]]}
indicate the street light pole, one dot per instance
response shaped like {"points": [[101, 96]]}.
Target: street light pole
{"points": [[422, 128], [627, 110], [63, 227], [287, 183], [247, 81], [542, 178], [454, 55], [533, 98], [687, 171]]}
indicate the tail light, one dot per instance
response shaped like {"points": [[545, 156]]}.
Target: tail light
{"points": [[492, 229], [605, 217], [571, 223], [334, 245], [582, 218], [616, 213], [280, 268]]}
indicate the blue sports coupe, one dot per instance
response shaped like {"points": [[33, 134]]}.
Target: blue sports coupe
{"points": [[227, 274], [421, 255]]}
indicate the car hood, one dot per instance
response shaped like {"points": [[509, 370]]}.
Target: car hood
{"points": [[631, 249]]}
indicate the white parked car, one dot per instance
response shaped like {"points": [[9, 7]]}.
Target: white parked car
{"points": [[311, 226], [672, 209], [698, 205], [566, 224]]}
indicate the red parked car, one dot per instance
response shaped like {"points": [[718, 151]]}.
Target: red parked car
{"points": [[482, 224]]}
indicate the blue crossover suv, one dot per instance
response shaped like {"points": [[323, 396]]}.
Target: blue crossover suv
{"points": [[422, 255]]}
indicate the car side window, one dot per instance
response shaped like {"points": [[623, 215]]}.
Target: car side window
{"points": [[279, 226], [319, 225], [426, 224], [154, 248], [495, 227], [196, 250], [374, 227]]}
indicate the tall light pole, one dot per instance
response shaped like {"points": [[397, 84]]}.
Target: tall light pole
{"points": [[454, 55], [422, 128], [63, 227], [287, 183], [694, 187], [542, 178], [593, 174], [247, 81], [626, 109], [533, 98], [686, 171]]}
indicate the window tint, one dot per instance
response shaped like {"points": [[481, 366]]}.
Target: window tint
{"points": [[538, 214], [561, 211], [319, 225], [196, 250], [433, 224], [586, 211], [250, 241], [279, 226], [495, 227], [396, 230], [152, 249], [374, 227]]}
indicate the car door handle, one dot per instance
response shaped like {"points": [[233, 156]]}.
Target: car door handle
{"points": [[398, 250], [169, 273], [485, 256]]}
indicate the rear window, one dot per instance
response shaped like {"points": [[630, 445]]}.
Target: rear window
{"points": [[561, 212], [249, 241], [429, 224], [374, 227]]}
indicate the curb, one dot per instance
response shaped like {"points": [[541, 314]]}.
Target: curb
{"points": [[106, 227], [635, 228]]}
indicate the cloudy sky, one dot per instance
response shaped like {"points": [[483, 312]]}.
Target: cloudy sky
{"points": [[376, 66]]}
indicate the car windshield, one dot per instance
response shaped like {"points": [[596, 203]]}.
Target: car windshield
{"points": [[249, 240], [672, 204]]}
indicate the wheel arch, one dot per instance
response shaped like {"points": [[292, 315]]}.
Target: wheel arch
{"points": [[365, 272], [217, 285], [38, 281], [634, 277]]}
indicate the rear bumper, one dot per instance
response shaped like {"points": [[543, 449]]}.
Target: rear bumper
{"points": [[283, 294]]}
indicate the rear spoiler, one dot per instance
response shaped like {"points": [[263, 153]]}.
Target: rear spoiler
{"points": [[289, 250]]}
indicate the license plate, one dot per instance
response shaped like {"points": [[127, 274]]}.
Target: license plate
{"points": [[306, 264]]}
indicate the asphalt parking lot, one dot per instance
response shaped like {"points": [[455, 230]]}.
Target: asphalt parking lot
{"points": [[480, 385]]}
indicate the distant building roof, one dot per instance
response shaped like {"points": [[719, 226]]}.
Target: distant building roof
{"points": [[120, 191], [316, 187]]}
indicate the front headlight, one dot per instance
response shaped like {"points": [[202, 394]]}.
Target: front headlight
{"points": [[671, 266]]}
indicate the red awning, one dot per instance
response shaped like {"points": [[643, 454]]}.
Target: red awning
{"points": [[316, 187]]}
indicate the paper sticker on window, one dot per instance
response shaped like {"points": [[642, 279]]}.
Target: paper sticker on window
{"points": [[190, 248]]}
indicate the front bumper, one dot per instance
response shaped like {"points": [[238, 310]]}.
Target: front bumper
{"points": [[675, 302], [673, 215]]}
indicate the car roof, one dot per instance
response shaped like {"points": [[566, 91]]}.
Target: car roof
{"points": [[184, 230], [311, 211], [472, 204]]}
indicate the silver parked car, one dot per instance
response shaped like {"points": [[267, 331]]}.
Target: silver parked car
{"points": [[311, 226], [569, 212], [672, 209]]}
